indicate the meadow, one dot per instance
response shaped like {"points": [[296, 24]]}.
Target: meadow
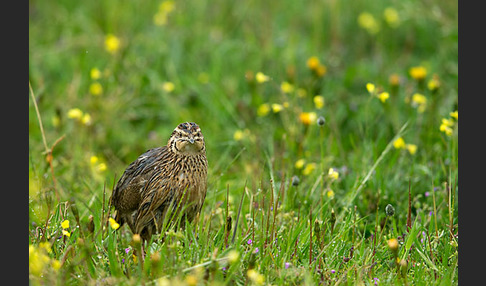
{"points": [[330, 127]]}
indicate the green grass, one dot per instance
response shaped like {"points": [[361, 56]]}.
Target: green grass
{"points": [[211, 51]]}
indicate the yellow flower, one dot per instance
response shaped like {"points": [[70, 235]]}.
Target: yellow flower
{"points": [[330, 194], [75, 113], [433, 84], [38, 259], [263, 109], [309, 168], [96, 88], [319, 101], [299, 164], [443, 127], [65, 224], [313, 63], [333, 174], [86, 119], [238, 135], [394, 79], [399, 143], [391, 17], [418, 72], [286, 87], [56, 264], [97, 167], [383, 96], [261, 78], [165, 8], [46, 246], [446, 129], [447, 122], [420, 101], [191, 280], [168, 86], [112, 43], [233, 256], [66, 233], [412, 148], [370, 87], [454, 114], [93, 159], [95, 73], [101, 167], [276, 108], [256, 277], [113, 224], [368, 22], [307, 117]]}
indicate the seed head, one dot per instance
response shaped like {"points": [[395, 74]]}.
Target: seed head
{"points": [[389, 210], [233, 256], [393, 245], [295, 181], [321, 121], [90, 224], [136, 241], [333, 219], [403, 265], [155, 257]]}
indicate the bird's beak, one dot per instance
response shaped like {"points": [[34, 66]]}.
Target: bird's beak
{"points": [[191, 140]]}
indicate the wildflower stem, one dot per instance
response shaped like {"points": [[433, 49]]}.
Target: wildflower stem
{"points": [[353, 195], [435, 213], [48, 151], [310, 236], [238, 216], [409, 215], [102, 228], [321, 145], [39, 119], [227, 221]]}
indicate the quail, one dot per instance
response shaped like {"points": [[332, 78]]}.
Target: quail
{"points": [[163, 181]]}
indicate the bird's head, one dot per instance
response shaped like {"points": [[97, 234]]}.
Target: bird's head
{"points": [[187, 139]]}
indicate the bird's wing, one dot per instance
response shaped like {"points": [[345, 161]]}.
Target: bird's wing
{"points": [[127, 192], [158, 194]]}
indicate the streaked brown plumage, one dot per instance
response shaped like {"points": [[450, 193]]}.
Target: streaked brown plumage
{"points": [[152, 186]]}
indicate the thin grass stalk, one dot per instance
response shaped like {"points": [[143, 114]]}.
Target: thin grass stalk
{"points": [[238, 215]]}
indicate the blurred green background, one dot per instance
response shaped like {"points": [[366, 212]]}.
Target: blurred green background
{"points": [[209, 51], [116, 77]]}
